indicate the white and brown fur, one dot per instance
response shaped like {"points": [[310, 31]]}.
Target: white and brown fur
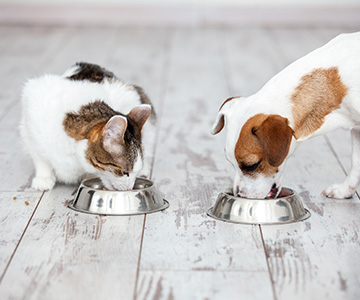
{"points": [[315, 94], [86, 121]]}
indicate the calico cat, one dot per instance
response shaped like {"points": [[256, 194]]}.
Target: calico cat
{"points": [[87, 121]]}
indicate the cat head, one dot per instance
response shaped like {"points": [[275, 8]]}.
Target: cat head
{"points": [[115, 148]]}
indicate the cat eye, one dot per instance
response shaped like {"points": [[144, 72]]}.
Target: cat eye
{"points": [[250, 168], [114, 168]]}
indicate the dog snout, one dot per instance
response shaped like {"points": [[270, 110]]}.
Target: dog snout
{"points": [[240, 192], [238, 185]]}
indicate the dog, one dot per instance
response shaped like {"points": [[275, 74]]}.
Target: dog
{"points": [[314, 95]]}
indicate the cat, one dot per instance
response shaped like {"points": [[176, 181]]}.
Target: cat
{"points": [[87, 121]]}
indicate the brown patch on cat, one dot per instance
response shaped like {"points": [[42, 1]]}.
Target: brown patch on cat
{"points": [[265, 139], [318, 94], [144, 99], [89, 123], [96, 132], [79, 125], [91, 72]]}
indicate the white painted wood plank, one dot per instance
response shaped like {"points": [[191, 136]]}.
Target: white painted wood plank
{"points": [[29, 50], [251, 59], [293, 44], [25, 51], [193, 285], [17, 208], [16, 166], [312, 168], [8, 37], [325, 33], [92, 45], [318, 258], [65, 254], [146, 51], [190, 169]]}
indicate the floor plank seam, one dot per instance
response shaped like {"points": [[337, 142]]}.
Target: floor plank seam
{"points": [[165, 76], [161, 103], [267, 263], [21, 237], [139, 259], [225, 61], [335, 154], [283, 58], [8, 109]]}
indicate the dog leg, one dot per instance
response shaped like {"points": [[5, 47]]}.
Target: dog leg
{"points": [[347, 188]]}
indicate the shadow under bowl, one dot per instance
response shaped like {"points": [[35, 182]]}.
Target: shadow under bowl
{"points": [[93, 198], [282, 210]]}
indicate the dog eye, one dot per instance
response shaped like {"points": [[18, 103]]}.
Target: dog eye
{"points": [[250, 168]]}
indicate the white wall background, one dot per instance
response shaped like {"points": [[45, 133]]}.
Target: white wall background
{"points": [[189, 2]]}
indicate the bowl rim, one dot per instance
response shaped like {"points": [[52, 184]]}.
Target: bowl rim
{"points": [[82, 184], [229, 194], [70, 205], [306, 215]]}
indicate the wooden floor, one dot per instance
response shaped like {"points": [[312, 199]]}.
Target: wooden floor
{"points": [[50, 252]]}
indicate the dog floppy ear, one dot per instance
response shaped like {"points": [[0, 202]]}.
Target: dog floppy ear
{"points": [[275, 137], [220, 118]]}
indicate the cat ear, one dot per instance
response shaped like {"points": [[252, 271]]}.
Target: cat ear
{"points": [[113, 133], [140, 114]]}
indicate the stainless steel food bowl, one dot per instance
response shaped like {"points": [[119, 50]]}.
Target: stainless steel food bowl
{"points": [[92, 198], [281, 210]]}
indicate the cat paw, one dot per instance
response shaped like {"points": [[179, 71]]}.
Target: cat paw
{"points": [[339, 191], [43, 183]]}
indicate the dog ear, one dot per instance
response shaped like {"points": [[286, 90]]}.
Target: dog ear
{"points": [[220, 118], [275, 137]]}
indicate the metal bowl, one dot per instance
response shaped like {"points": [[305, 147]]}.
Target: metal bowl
{"points": [[93, 198], [281, 210]]}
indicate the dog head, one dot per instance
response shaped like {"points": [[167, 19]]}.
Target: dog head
{"points": [[257, 145]]}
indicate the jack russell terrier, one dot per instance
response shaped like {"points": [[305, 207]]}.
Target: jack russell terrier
{"points": [[315, 94]]}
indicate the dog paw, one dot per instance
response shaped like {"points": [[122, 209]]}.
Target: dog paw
{"points": [[43, 183], [339, 191]]}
